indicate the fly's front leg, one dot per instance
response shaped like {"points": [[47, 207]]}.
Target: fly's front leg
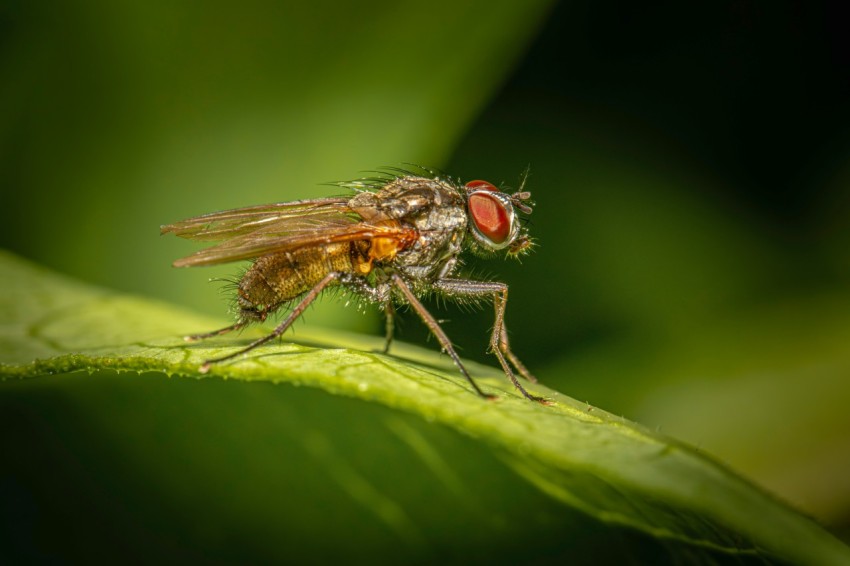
{"points": [[499, 344], [501, 302]]}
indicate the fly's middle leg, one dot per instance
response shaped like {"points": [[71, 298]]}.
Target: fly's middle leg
{"points": [[389, 313], [437, 331], [380, 294]]}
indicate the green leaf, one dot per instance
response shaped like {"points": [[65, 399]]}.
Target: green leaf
{"points": [[570, 468]]}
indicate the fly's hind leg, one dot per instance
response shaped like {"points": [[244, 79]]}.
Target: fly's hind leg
{"points": [[247, 317], [241, 323], [281, 328]]}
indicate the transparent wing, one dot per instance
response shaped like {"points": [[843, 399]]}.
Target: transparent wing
{"points": [[223, 225], [249, 233]]}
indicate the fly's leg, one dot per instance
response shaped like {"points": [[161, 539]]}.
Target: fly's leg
{"points": [[236, 326], [282, 327], [247, 318], [380, 293], [389, 312], [444, 341], [499, 338], [518, 365], [500, 302]]}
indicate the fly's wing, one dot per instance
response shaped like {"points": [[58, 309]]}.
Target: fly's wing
{"points": [[218, 226], [248, 233]]}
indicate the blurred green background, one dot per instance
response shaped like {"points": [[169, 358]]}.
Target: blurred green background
{"points": [[690, 165]]}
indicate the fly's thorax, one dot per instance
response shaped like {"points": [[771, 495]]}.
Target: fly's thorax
{"points": [[407, 197], [441, 232], [278, 278], [435, 209]]}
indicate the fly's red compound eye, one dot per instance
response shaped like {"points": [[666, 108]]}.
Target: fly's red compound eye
{"points": [[481, 186], [492, 219]]}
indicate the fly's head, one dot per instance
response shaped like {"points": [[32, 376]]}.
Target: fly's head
{"points": [[494, 222]]}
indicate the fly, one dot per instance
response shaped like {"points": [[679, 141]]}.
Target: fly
{"points": [[399, 237]]}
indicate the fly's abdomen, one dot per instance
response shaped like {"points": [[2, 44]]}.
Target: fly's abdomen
{"points": [[278, 278]]}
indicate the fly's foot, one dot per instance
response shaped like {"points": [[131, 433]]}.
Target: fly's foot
{"points": [[541, 400], [529, 396]]}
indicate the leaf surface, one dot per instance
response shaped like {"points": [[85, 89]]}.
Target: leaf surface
{"points": [[577, 456]]}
